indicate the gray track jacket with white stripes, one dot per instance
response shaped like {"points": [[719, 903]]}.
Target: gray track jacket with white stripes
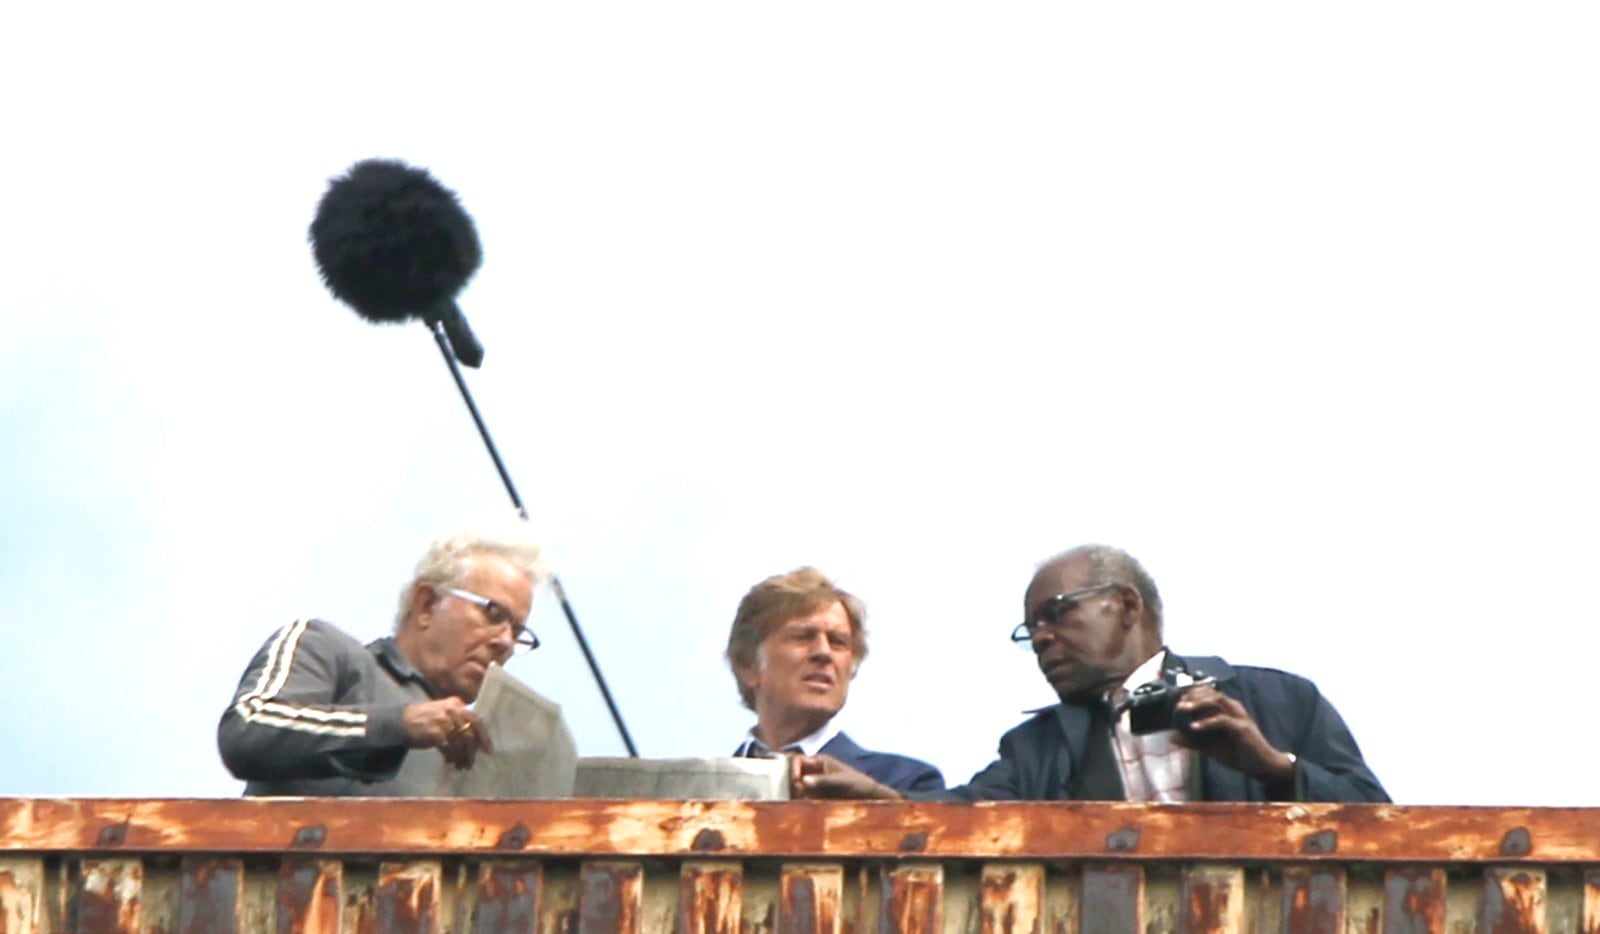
{"points": [[318, 713]]}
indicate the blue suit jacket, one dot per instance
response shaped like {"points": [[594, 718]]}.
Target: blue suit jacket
{"points": [[900, 772], [1039, 758]]}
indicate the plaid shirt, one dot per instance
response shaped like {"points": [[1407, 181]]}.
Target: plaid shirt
{"points": [[1154, 767]]}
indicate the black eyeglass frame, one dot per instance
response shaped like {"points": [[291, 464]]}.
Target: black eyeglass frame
{"points": [[523, 639], [1051, 611]]}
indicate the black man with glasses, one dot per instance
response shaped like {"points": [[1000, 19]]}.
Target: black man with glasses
{"points": [[1137, 722], [318, 713]]}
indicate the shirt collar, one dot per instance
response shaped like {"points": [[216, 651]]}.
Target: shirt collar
{"points": [[808, 745], [1147, 672], [388, 652]]}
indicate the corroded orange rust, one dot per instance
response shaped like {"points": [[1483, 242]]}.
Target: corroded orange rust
{"points": [[1313, 899], [508, 896], [209, 895], [1513, 902], [1213, 899], [1017, 830], [1010, 897], [408, 897], [810, 900], [710, 898], [913, 898], [107, 896], [21, 898], [310, 896], [611, 898], [1414, 901]]}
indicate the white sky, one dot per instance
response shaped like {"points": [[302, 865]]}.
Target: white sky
{"points": [[1295, 304]]}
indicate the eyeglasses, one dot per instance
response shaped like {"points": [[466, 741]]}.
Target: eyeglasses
{"points": [[1052, 611], [523, 638]]}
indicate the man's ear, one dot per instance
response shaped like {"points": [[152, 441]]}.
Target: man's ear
{"points": [[1132, 605], [748, 675], [424, 597]]}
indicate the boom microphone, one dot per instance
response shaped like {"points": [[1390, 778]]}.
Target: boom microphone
{"points": [[394, 244]]}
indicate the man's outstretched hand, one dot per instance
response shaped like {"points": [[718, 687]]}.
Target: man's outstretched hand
{"points": [[827, 777]]}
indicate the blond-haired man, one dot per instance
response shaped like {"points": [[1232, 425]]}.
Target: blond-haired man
{"points": [[795, 644]]}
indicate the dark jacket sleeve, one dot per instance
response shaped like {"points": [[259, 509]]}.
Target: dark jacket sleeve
{"points": [[1295, 717], [287, 721], [1000, 780]]}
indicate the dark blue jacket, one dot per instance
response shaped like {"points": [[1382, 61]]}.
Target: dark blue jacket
{"points": [[1038, 757], [900, 772]]}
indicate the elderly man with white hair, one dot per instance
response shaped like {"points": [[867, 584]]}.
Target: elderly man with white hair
{"points": [[318, 713]]}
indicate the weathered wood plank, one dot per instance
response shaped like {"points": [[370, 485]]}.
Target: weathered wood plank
{"points": [[1313, 900], [710, 898], [1513, 901], [210, 895], [1213, 900], [810, 899], [610, 898], [105, 896], [1011, 898], [310, 896], [508, 896], [407, 898], [21, 896], [1111, 899], [597, 829], [911, 899]]}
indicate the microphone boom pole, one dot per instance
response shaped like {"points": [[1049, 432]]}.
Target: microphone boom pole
{"points": [[443, 340]]}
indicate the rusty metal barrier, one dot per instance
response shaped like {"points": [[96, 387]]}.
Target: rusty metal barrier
{"points": [[357, 865]]}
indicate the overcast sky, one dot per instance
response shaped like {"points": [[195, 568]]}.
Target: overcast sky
{"points": [[1294, 303]]}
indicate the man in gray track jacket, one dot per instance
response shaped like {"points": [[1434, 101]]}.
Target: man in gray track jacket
{"points": [[318, 713]]}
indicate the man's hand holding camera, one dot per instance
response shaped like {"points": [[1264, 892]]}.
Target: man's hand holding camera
{"points": [[1220, 727]]}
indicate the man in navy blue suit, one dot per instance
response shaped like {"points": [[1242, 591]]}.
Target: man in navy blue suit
{"points": [[796, 642], [1137, 722]]}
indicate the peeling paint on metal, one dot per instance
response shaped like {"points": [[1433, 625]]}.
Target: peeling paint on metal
{"points": [[1313, 899], [1414, 901], [611, 898], [710, 898]]}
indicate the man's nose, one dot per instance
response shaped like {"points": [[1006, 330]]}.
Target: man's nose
{"points": [[503, 641], [821, 646], [1041, 636]]}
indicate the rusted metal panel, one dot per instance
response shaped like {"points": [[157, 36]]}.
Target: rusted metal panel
{"points": [[1591, 902], [1111, 899], [1017, 830], [1414, 901], [610, 898], [508, 895], [1313, 900], [710, 898], [911, 899], [1011, 898], [1513, 901], [210, 895], [810, 899], [310, 896], [105, 896], [408, 897], [1213, 900], [21, 896]]}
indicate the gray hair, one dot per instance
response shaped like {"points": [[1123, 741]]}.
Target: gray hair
{"points": [[444, 561], [1109, 564]]}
